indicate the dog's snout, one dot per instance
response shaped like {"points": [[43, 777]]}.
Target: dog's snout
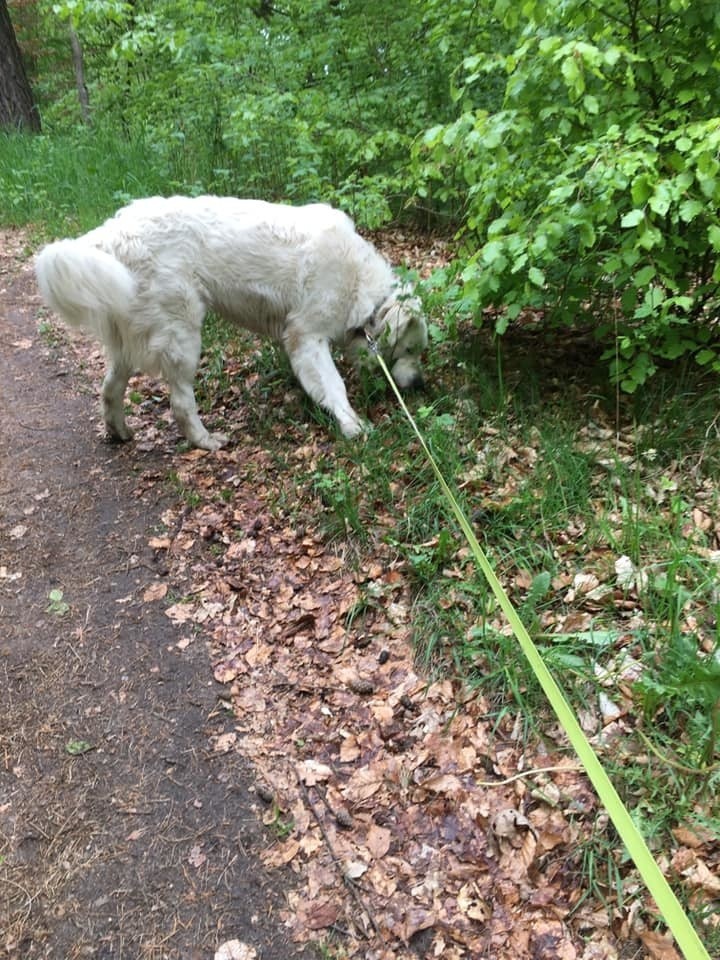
{"points": [[416, 383], [407, 374]]}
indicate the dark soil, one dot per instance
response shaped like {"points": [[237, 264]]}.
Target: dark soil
{"points": [[122, 833]]}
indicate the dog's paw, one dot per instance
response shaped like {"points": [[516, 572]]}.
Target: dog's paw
{"points": [[354, 428], [213, 441], [118, 433]]}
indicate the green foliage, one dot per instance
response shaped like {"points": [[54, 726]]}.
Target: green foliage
{"points": [[57, 604], [594, 186], [71, 181], [339, 497], [317, 100], [682, 691]]}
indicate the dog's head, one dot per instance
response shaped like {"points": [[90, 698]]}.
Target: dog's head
{"points": [[398, 327]]}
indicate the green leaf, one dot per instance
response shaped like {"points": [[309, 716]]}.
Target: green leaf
{"points": [[77, 747], [501, 323], [632, 218], [660, 200], [57, 605], [536, 276], [644, 276], [642, 189], [492, 251], [714, 236], [689, 209], [573, 75], [587, 234]]}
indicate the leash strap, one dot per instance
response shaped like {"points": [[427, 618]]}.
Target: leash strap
{"points": [[669, 906]]}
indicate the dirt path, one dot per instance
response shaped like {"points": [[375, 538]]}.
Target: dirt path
{"points": [[122, 833]]}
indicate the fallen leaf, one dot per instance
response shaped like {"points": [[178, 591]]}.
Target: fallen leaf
{"points": [[225, 742], [180, 612], [628, 576], [156, 591], [354, 869], [160, 543], [318, 914], [364, 783], [312, 772], [196, 858], [235, 950], [378, 841], [659, 947]]}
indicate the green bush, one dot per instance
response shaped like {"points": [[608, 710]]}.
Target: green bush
{"points": [[593, 190]]}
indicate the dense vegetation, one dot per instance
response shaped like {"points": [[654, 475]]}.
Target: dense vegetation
{"points": [[573, 145]]}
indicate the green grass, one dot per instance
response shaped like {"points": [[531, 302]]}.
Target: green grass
{"points": [[70, 181]]}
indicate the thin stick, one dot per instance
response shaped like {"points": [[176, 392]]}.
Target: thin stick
{"points": [[348, 883]]}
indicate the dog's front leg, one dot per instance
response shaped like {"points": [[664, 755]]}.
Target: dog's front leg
{"points": [[184, 407], [314, 367]]}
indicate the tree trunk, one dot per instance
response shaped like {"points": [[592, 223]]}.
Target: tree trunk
{"points": [[78, 64], [17, 108]]}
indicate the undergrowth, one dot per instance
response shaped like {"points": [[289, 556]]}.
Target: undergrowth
{"points": [[598, 514]]}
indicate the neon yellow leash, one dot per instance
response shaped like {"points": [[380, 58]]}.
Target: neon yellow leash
{"points": [[669, 906]]}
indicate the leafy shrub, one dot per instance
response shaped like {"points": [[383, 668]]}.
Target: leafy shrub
{"points": [[594, 188]]}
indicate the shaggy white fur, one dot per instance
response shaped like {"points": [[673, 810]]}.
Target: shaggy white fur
{"points": [[144, 280]]}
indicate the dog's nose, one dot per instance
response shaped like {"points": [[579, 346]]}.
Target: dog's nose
{"points": [[417, 383]]}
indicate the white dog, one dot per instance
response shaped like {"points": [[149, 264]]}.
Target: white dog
{"points": [[144, 280]]}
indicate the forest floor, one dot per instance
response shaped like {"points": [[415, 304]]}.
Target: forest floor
{"points": [[215, 740]]}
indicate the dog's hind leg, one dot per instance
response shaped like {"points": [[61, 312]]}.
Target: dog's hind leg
{"points": [[184, 407], [314, 367], [113, 398]]}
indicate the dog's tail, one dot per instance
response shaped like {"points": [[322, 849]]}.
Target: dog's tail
{"points": [[83, 284]]}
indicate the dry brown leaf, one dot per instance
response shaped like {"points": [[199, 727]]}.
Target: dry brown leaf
{"points": [[349, 749], [659, 947], [235, 950], [695, 836], [363, 784], [318, 914], [156, 591], [282, 853], [160, 543], [181, 612], [196, 857], [225, 742], [311, 772], [471, 903], [378, 841], [508, 822]]}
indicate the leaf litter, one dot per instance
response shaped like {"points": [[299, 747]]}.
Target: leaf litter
{"points": [[405, 813], [417, 822]]}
